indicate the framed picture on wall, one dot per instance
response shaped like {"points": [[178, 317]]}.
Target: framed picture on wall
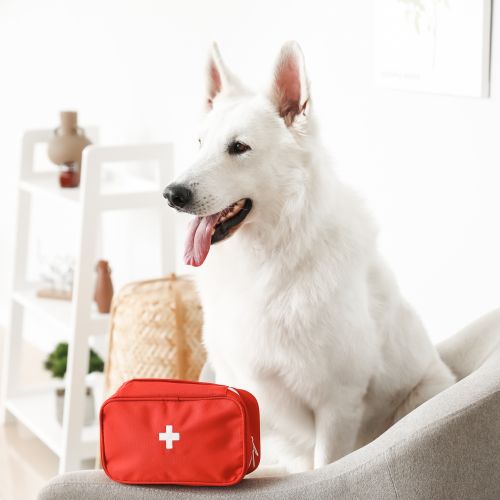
{"points": [[439, 46]]}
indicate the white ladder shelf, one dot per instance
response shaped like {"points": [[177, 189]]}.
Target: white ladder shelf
{"points": [[72, 442]]}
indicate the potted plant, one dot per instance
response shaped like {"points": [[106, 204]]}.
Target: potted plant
{"points": [[56, 363]]}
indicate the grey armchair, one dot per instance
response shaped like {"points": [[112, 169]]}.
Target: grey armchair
{"points": [[448, 448]]}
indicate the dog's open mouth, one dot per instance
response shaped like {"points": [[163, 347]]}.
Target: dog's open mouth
{"points": [[204, 231]]}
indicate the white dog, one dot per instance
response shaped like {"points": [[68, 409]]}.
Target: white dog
{"points": [[299, 307]]}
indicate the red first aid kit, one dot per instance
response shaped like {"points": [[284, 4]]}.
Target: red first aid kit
{"points": [[156, 431]]}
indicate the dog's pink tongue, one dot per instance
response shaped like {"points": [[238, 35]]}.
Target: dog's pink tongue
{"points": [[198, 239]]}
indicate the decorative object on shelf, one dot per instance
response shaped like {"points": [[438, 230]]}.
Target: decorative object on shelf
{"points": [[65, 149], [56, 277], [155, 332], [103, 294], [49, 293], [56, 363]]}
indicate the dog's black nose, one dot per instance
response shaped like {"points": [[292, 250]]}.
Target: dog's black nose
{"points": [[177, 195]]}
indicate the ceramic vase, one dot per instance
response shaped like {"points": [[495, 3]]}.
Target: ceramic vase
{"points": [[65, 148], [103, 287]]}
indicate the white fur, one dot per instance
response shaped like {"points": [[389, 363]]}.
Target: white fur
{"points": [[299, 307]]}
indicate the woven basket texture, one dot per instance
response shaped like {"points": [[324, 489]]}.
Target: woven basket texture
{"points": [[155, 332]]}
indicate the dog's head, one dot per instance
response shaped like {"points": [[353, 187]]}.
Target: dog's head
{"points": [[250, 145]]}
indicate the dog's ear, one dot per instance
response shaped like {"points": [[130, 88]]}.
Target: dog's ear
{"points": [[290, 88], [219, 78]]}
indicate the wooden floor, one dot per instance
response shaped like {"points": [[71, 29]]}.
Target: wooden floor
{"points": [[25, 463]]}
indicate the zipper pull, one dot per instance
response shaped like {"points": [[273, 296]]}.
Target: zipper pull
{"points": [[254, 452]]}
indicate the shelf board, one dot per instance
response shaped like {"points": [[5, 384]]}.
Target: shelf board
{"points": [[58, 312], [47, 184], [124, 191], [37, 411]]}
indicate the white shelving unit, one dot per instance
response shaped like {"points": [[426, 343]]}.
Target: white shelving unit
{"points": [[72, 442]]}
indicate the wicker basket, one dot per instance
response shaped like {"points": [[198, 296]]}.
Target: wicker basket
{"points": [[155, 332]]}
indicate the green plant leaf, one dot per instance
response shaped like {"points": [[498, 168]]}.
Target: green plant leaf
{"points": [[57, 361]]}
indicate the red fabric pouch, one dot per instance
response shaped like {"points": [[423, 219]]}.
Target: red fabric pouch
{"points": [[156, 431]]}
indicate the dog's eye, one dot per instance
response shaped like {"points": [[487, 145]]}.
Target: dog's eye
{"points": [[238, 148]]}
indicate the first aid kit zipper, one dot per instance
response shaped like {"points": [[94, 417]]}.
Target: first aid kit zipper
{"points": [[254, 453]]}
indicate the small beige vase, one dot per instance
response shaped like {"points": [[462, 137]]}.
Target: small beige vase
{"points": [[65, 148]]}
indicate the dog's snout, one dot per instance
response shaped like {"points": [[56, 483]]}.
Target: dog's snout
{"points": [[177, 195]]}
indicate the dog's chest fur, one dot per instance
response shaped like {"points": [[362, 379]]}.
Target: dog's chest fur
{"points": [[298, 328]]}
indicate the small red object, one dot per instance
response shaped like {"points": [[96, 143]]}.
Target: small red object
{"points": [[157, 431], [69, 177]]}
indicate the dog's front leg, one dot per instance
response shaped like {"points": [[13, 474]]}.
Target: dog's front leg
{"points": [[336, 431]]}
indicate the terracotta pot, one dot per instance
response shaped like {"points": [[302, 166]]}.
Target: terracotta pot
{"points": [[65, 148], [103, 287]]}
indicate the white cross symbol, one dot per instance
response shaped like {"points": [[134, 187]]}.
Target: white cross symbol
{"points": [[169, 437]]}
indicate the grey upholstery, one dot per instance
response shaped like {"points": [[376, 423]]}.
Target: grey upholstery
{"points": [[448, 448]]}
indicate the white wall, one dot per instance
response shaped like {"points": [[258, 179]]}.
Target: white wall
{"points": [[428, 165]]}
